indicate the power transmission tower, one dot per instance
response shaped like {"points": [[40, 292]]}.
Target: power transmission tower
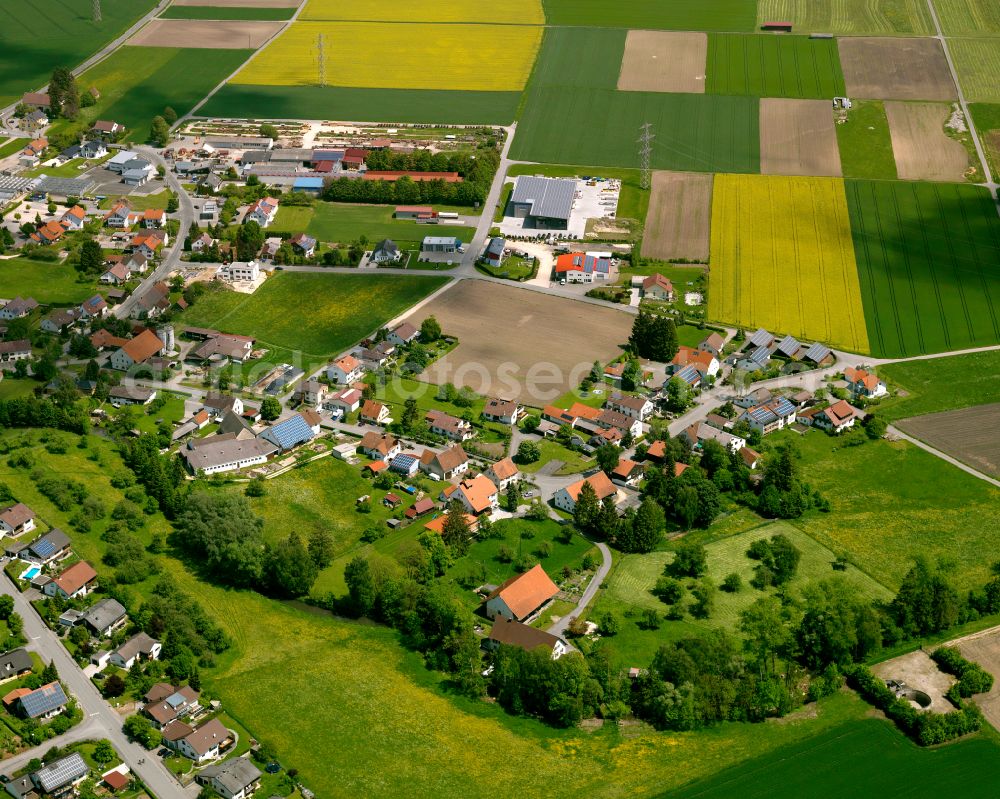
{"points": [[321, 52], [97, 10], [645, 140]]}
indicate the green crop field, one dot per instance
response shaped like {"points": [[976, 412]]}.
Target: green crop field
{"points": [[860, 758], [46, 282], [137, 83], [977, 62], [316, 314], [11, 146], [865, 144], [891, 501], [35, 39], [685, 15], [855, 17], [762, 65], [573, 114], [374, 105], [968, 17], [927, 256], [941, 384], [987, 119], [226, 12]]}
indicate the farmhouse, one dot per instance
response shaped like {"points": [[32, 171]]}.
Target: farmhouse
{"points": [[236, 778], [478, 495], [543, 203], [225, 452], [16, 520], [503, 473], [154, 302], [218, 405], [523, 595], [345, 370], [657, 287], [863, 383], [513, 633], [76, 581], [136, 351], [583, 267], [445, 465], [565, 498], [35, 100], [223, 345], [633, 407]]}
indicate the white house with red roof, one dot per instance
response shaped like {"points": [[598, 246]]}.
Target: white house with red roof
{"points": [[863, 383], [74, 218], [565, 498], [262, 211], [522, 596], [345, 370]]}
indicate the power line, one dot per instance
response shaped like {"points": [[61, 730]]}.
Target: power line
{"points": [[645, 141], [321, 48], [97, 10]]}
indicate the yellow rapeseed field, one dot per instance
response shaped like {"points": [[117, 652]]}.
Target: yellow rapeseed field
{"points": [[516, 12], [782, 258], [374, 55]]}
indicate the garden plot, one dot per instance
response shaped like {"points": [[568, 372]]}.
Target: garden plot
{"points": [[511, 340], [678, 222], [798, 137], [971, 435], [664, 61], [922, 149], [896, 69], [209, 34]]}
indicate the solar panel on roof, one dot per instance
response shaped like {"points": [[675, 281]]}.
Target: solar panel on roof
{"points": [[44, 547], [290, 432], [817, 352], [44, 700], [62, 772]]}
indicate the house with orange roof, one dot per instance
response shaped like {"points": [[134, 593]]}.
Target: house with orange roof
{"points": [[837, 418], [154, 217], [49, 233], [503, 473], [74, 218], [702, 360], [436, 525], [374, 412], [863, 383], [136, 351], [479, 495], [262, 211], [75, 581], [149, 241], [565, 498], [583, 267], [522, 596], [627, 473], [345, 370]]}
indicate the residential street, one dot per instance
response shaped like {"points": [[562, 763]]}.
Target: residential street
{"points": [[99, 721], [560, 627]]}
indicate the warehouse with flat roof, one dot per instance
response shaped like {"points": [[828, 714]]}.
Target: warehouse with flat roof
{"points": [[544, 203]]}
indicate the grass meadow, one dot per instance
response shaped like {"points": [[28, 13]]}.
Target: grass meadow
{"points": [[865, 143], [11, 146], [699, 133], [226, 12], [892, 501], [840, 762], [424, 56], [987, 119], [316, 314], [515, 12], [47, 282], [684, 15], [941, 384], [35, 39], [369, 105], [339, 222], [762, 65], [137, 83], [854, 17], [782, 258], [977, 61], [968, 17], [926, 256]]}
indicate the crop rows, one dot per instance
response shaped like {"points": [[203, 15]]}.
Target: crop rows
{"points": [[768, 66]]}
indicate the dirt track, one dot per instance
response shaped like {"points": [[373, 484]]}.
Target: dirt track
{"points": [[918, 671], [206, 33], [923, 150], [971, 435], [678, 222], [507, 334], [896, 69], [664, 61], [798, 137]]}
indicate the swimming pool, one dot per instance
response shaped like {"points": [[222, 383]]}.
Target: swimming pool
{"points": [[31, 573]]}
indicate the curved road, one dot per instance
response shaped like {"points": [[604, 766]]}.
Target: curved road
{"points": [[559, 628]]}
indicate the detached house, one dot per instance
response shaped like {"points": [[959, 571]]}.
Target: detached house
{"points": [[403, 334], [165, 703], [205, 743], [503, 411], [236, 778], [43, 703], [386, 252], [864, 384], [48, 548], [627, 473], [304, 245], [94, 308], [770, 416], [565, 498], [445, 465], [522, 596], [74, 218], [121, 216], [148, 242], [657, 287], [345, 370], [136, 351], [58, 320], [448, 426], [702, 360], [116, 274], [713, 343], [49, 233], [837, 417], [153, 217], [76, 581], [18, 308], [633, 407], [262, 212], [138, 648], [702, 431], [105, 617], [478, 495], [374, 412], [379, 446], [503, 473], [13, 351], [345, 401], [17, 520], [580, 267]]}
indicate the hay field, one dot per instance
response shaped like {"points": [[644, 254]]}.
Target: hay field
{"points": [[977, 62], [896, 69], [511, 12], [855, 17], [678, 222], [210, 34], [238, 3], [782, 258], [971, 435], [922, 149], [968, 17], [408, 56], [797, 137], [664, 61], [509, 340]]}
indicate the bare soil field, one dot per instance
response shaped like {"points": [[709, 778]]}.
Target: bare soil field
{"points": [[664, 61], [895, 69], [518, 343], [984, 649], [918, 671], [971, 435], [208, 33], [923, 150], [798, 137], [250, 3], [678, 222]]}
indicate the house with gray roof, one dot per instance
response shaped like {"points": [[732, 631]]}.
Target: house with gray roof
{"points": [[236, 778], [15, 663], [59, 776], [105, 617]]}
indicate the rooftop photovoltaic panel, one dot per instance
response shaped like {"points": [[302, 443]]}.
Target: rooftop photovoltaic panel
{"points": [[62, 772], [44, 700]]}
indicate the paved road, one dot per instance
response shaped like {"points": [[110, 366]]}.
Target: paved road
{"points": [[100, 719], [938, 453], [560, 627], [965, 106], [185, 215]]}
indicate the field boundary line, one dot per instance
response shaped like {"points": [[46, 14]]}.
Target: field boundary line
{"points": [[943, 456]]}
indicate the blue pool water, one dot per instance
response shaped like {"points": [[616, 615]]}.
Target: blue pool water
{"points": [[30, 573]]}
